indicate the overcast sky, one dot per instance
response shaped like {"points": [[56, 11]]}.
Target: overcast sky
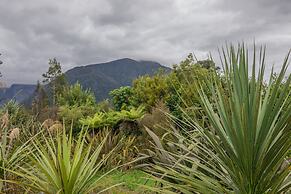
{"points": [[79, 32]]}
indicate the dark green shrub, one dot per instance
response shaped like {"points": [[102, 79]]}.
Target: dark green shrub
{"points": [[121, 98]]}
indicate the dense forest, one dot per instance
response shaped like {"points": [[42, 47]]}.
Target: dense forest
{"points": [[199, 128]]}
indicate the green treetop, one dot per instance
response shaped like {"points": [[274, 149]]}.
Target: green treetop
{"points": [[55, 78]]}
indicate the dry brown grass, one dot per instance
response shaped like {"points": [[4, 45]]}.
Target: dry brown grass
{"points": [[4, 120], [47, 123], [158, 119], [55, 128], [52, 126], [13, 134]]}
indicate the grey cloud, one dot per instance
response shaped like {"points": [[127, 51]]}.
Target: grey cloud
{"points": [[85, 31]]}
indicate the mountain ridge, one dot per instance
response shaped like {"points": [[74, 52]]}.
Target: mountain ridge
{"points": [[18, 92], [101, 78]]}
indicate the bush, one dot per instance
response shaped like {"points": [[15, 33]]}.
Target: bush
{"points": [[18, 115], [76, 96], [178, 89], [149, 90], [63, 165], [12, 155], [76, 104], [158, 119], [125, 148], [72, 115], [244, 149], [112, 119], [121, 98]]}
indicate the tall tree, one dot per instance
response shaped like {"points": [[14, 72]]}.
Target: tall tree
{"points": [[40, 99], [55, 78]]}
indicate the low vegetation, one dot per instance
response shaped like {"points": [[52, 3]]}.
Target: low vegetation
{"points": [[196, 129]]}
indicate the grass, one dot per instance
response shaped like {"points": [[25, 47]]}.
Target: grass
{"points": [[131, 179]]}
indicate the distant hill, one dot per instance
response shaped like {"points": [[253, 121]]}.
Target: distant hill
{"points": [[18, 92], [100, 78], [103, 77]]}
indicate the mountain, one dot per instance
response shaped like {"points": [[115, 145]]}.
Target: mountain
{"points": [[103, 77], [100, 78], [18, 92]]}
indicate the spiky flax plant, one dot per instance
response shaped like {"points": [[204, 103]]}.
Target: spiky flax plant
{"points": [[244, 149]]}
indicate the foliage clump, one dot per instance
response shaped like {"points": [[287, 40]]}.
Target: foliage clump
{"points": [[121, 98], [76, 103], [112, 118], [244, 149], [76, 96]]}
